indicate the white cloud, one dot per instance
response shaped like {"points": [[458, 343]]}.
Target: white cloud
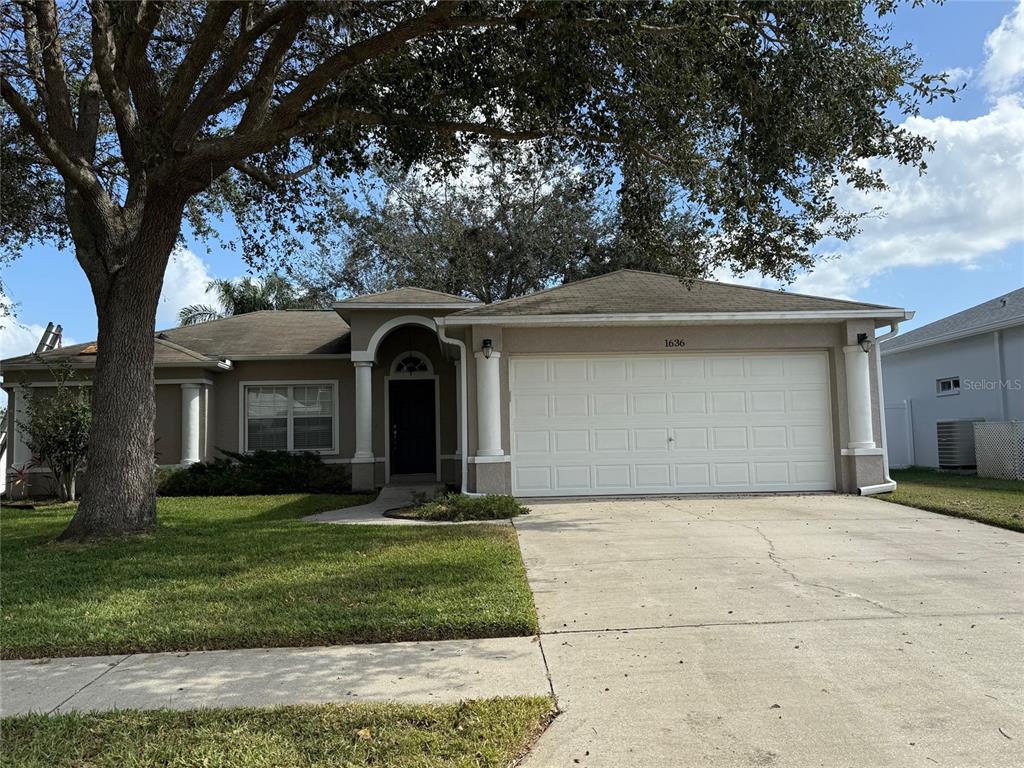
{"points": [[184, 283], [957, 76], [969, 203], [18, 338], [1004, 47]]}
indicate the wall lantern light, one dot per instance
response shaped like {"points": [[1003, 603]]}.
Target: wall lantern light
{"points": [[487, 348], [865, 342]]}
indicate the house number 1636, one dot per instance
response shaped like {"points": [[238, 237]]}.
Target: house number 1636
{"points": [[675, 343]]}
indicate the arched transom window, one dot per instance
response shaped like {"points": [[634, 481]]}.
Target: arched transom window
{"points": [[410, 364]]}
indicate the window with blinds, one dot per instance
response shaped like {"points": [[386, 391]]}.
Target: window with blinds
{"points": [[290, 417]]}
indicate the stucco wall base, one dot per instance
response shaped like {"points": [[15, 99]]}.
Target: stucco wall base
{"points": [[364, 476], [863, 471], [491, 478]]}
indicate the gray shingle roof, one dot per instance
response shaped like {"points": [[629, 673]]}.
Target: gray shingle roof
{"points": [[266, 333], [1002, 310], [406, 296], [629, 291]]}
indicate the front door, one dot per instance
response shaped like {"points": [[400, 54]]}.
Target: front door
{"points": [[412, 424]]}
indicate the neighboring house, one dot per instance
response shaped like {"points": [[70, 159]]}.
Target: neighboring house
{"points": [[966, 366], [627, 383]]}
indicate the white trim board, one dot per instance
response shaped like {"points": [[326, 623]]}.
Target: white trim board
{"points": [[703, 318]]}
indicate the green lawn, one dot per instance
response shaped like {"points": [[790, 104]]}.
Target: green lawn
{"points": [[237, 572], [996, 502], [477, 734]]}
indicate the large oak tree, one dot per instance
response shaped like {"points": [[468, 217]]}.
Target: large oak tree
{"points": [[123, 119]]}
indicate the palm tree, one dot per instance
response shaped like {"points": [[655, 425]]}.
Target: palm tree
{"points": [[237, 297]]}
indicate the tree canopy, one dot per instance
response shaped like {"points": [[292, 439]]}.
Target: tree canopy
{"points": [[122, 119], [237, 297]]}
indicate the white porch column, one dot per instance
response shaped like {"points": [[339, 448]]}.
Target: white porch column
{"points": [[488, 404], [20, 453], [458, 407], [858, 397], [364, 409], [190, 395]]}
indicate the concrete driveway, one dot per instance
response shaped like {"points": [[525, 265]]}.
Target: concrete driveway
{"points": [[777, 631]]}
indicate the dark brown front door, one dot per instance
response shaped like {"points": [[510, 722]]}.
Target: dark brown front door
{"points": [[413, 436]]}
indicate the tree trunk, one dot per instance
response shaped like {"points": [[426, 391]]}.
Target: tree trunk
{"points": [[120, 493]]}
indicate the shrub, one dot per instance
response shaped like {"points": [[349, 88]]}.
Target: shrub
{"points": [[250, 474], [458, 508], [57, 429]]}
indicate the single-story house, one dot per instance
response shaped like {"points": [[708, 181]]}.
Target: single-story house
{"points": [[627, 383], [966, 367]]}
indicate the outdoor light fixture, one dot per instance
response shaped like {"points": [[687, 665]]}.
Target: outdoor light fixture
{"points": [[865, 342], [487, 347]]}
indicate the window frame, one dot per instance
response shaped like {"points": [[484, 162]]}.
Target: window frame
{"points": [[952, 390], [243, 415]]}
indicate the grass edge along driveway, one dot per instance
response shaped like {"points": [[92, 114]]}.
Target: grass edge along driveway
{"points": [[246, 571], [490, 733], [987, 500]]}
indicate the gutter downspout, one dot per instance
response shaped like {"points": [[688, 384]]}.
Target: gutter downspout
{"points": [[463, 410], [889, 484]]}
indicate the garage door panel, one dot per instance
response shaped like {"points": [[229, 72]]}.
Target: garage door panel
{"points": [[768, 401], [728, 402], [611, 440], [690, 438], [532, 441], [729, 438], [771, 473], [769, 437], [650, 439], [650, 403], [611, 404], [572, 478], [574, 404], [569, 440], [612, 476], [532, 478], [530, 406], [611, 372], [693, 476], [700, 423], [689, 404]]}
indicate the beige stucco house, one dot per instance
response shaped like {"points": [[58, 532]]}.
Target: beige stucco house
{"points": [[628, 383]]}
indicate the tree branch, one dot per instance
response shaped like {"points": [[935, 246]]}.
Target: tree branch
{"points": [[89, 116], [262, 90], [436, 18], [56, 94], [75, 174], [126, 120], [213, 89], [142, 80], [272, 181], [215, 20]]}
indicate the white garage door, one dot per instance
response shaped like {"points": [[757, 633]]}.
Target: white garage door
{"points": [[688, 423]]}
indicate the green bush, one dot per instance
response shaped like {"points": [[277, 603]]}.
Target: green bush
{"points": [[459, 508], [251, 474]]}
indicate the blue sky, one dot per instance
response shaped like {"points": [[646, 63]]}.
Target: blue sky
{"points": [[952, 238]]}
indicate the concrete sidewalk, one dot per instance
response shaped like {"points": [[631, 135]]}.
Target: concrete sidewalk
{"points": [[419, 672], [397, 496]]}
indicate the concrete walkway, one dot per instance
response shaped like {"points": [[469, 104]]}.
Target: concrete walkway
{"points": [[396, 496], [421, 673], [777, 631]]}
